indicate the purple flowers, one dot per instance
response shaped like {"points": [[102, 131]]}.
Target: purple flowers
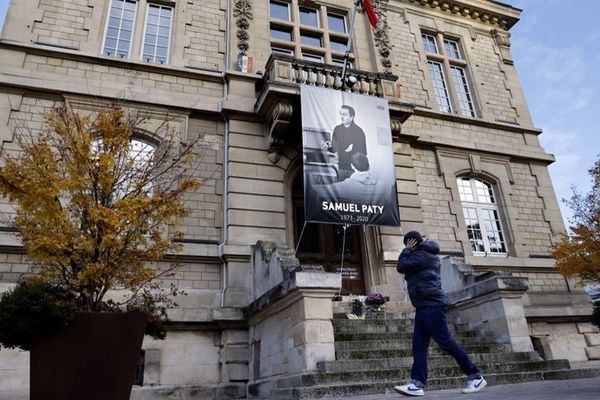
{"points": [[375, 299]]}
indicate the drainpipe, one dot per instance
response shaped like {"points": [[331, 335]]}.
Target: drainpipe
{"points": [[224, 234]]}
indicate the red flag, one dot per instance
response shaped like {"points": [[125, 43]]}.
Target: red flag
{"points": [[370, 13]]}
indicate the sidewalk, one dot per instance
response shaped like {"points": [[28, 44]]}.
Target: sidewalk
{"points": [[573, 389]]}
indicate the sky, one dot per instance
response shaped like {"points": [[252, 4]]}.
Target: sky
{"points": [[556, 50]]}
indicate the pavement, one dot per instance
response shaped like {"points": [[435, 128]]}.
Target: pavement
{"points": [[572, 389]]}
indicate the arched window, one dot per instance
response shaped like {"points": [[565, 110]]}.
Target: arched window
{"points": [[133, 167], [482, 216]]}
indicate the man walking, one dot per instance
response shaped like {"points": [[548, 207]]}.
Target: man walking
{"points": [[420, 264]]}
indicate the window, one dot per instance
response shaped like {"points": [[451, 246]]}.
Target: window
{"points": [[158, 34], [279, 10], [340, 62], [452, 50], [338, 45], [312, 57], [309, 16], [336, 22], [156, 21], [119, 29], [448, 72], [281, 34], [317, 34], [462, 91], [482, 216], [429, 43], [131, 168], [311, 40], [439, 86], [281, 51]]}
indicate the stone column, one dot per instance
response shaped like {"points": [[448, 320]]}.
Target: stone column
{"points": [[312, 330], [290, 329]]}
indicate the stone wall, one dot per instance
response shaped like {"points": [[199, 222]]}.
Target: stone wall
{"points": [[519, 200], [544, 281], [185, 358], [257, 190], [197, 36], [492, 79]]}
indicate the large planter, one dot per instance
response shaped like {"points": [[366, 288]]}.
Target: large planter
{"points": [[93, 358]]}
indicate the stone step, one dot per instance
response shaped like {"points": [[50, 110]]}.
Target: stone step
{"points": [[396, 353], [434, 361], [376, 316], [341, 336], [402, 343], [403, 374], [384, 328], [365, 388], [353, 323]]}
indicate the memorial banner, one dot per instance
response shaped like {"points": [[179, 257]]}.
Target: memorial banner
{"points": [[349, 173]]}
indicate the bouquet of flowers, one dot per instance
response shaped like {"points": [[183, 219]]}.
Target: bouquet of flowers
{"points": [[375, 299]]}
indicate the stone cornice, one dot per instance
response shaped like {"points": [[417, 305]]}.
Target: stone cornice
{"points": [[486, 11], [69, 54], [505, 126]]}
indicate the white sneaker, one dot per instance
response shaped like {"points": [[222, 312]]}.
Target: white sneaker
{"points": [[410, 389], [475, 385]]}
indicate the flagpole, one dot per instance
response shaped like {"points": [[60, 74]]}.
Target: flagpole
{"points": [[349, 47]]}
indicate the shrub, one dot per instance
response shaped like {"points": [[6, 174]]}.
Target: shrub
{"points": [[33, 308], [358, 308]]}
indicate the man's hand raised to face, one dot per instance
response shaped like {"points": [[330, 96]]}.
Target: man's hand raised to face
{"points": [[412, 244]]}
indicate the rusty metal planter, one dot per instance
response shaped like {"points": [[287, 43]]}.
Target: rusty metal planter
{"points": [[93, 358]]}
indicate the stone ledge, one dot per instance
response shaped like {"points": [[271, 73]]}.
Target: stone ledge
{"points": [[488, 283], [305, 277], [558, 313]]}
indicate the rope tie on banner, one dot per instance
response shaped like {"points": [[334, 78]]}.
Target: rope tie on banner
{"points": [[342, 261], [299, 239]]}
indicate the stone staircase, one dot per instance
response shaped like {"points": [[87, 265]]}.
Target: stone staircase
{"points": [[374, 354]]}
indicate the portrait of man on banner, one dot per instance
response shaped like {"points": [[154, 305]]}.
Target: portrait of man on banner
{"points": [[349, 174]]}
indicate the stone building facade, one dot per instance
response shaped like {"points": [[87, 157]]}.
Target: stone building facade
{"points": [[470, 171]]}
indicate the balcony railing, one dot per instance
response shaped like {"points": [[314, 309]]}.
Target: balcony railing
{"points": [[279, 90], [286, 70]]}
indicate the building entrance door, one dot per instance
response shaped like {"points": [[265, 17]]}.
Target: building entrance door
{"points": [[322, 244]]}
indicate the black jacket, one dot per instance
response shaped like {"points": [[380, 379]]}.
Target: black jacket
{"points": [[342, 138], [421, 269]]}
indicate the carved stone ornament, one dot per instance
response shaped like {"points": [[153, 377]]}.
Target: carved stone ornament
{"points": [[278, 124], [396, 127], [504, 21], [503, 41], [242, 12], [382, 40]]}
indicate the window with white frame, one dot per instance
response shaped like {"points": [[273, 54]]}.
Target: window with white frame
{"points": [[119, 28], [131, 168], [309, 32], [157, 35], [448, 72], [482, 216], [156, 21]]}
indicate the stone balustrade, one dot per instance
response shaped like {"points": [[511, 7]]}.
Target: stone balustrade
{"points": [[288, 70]]}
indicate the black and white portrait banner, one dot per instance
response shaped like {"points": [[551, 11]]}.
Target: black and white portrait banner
{"points": [[349, 174]]}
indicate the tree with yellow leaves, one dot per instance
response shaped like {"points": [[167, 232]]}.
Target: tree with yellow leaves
{"points": [[578, 254], [94, 206]]}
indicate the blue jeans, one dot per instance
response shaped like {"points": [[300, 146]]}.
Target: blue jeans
{"points": [[432, 322]]}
